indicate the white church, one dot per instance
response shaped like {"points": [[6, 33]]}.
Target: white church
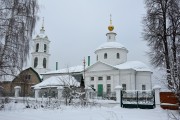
{"points": [[111, 68]]}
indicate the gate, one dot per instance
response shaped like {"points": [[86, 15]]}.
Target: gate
{"points": [[138, 99]]}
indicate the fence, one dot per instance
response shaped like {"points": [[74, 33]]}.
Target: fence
{"points": [[168, 100], [138, 99]]}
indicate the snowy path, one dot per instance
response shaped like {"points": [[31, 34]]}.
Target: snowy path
{"points": [[71, 113]]}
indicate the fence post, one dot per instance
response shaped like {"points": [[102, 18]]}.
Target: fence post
{"points": [[60, 92], [37, 92], [88, 92], [137, 98], [157, 88], [17, 91], [118, 93]]}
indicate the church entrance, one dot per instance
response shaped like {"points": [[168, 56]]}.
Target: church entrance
{"points": [[100, 89]]}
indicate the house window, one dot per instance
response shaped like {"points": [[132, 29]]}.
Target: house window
{"points": [[100, 78], [143, 87], [45, 47], [108, 77], [108, 88], [117, 55], [105, 55], [44, 63], [92, 78], [37, 47], [124, 86], [28, 77], [35, 62]]}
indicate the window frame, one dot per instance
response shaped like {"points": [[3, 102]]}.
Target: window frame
{"points": [[118, 56], [92, 78], [108, 88], [37, 47], [44, 62], [124, 87], [108, 77], [45, 48], [35, 62], [99, 78], [143, 87], [105, 56]]}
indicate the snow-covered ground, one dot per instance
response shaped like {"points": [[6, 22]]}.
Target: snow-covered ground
{"points": [[17, 111]]}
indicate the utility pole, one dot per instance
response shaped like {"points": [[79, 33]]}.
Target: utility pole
{"points": [[84, 63]]}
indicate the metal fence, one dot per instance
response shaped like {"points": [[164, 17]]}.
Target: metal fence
{"points": [[138, 99]]}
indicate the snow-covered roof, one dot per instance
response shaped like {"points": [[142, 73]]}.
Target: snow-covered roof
{"points": [[55, 81], [78, 68], [136, 65], [110, 45]]}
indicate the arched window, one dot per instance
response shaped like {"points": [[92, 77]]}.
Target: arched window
{"points": [[35, 62], [37, 47], [44, 63], [117, 56], [45, 47], [105, 55]]}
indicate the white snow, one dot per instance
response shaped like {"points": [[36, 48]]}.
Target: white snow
{"points": [[17, 111], [78, 68], [56, 81], [157, 87], [118, 87], [136, 65], [110, 45], [17, 87]]}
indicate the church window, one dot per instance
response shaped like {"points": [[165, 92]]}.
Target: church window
{"points": [[108, 77], [35, 62], [100, 78], [37, 47], [143, 87], [105, 55], [92, 78], [45, 47], [44, 63], [124, 86], [108, 88], [117, 55]]}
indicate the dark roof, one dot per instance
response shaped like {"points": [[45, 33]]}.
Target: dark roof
{"points": [[30, 68]]}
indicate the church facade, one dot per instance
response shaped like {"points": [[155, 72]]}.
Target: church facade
{"points": [[112, 68]]}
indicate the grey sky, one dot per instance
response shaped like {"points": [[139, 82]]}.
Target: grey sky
{"points": [[77, 27]]}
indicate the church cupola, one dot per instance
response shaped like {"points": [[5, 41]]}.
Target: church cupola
{"points": [[111, 52], [40, 54], [111, 36]]}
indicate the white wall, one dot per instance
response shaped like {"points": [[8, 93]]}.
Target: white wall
{"points": [[143, 78], [111, 56], [119, 77]]}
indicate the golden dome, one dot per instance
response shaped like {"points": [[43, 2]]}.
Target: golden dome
{"points": [[110, 27]]}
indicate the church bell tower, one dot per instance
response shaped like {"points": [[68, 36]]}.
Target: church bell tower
{"points": [[40, 54]]}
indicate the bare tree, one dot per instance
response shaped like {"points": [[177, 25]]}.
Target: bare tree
{"points": [[162, 32], [17, 22]]}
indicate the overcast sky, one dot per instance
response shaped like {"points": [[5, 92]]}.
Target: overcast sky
{"points": [[77, 27]]}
